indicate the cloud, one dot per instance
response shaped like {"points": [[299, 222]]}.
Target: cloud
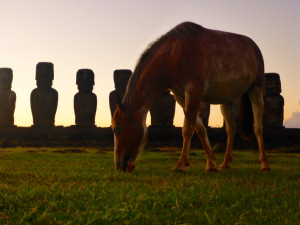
{"points": [[294, 121]]}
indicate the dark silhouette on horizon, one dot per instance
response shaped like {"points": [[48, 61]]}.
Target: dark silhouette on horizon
{"points": [[274, 102], [121, 78], [7, 98], [163, 111], [44, 98], [85, 101]]}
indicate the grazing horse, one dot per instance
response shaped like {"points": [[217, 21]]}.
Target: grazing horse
{"points": [[197, 65]]}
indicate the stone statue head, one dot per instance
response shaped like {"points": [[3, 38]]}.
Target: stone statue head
{"points": [[85, 80], [121, 78], [6, 76], [273, 84], [44, 75]]}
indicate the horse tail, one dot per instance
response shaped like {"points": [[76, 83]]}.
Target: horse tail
{"points": [[246, 118]]}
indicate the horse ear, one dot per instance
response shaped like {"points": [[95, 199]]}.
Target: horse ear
{"points": [[119, 103]]}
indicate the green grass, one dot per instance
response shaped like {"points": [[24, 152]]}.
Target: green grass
{"points": [[42, 187]]}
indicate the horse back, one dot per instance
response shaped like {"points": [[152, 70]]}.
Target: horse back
{"points": [[223, 65]]}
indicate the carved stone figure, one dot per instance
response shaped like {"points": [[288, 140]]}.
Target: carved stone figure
{"points": [[7, 98], [44, 98], [274, 102], [85, 101], [121, 78], [163, 111]]}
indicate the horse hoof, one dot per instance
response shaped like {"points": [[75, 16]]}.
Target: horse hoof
{"points": [[130, 167], [225, 167], [187, 164], [211, 170], [265, 169], [179, 170]]}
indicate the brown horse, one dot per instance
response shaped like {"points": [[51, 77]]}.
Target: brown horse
{"points": [[197, 65]]}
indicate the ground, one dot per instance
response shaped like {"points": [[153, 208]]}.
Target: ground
{"points": [[81, 186]]}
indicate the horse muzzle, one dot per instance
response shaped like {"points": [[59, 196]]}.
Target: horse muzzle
{"points": [[128, 167]]}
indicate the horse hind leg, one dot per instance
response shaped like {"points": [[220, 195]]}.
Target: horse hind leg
{"points": [[228, 114], [257, 102], [210, 157]]}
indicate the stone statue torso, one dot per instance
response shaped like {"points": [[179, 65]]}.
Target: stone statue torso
{"points": [[7, 107], [163, 111], [43, 106], [85, 106]]}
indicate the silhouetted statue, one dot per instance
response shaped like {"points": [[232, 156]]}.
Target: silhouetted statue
{"points": [[85, 101], [44, 99], [163, 111], [121, 78], [7, 98], [274, 102]]}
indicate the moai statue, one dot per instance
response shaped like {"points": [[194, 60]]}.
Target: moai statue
{"points": [[274, 102], [163, 111], [44, 98], [7, 98], [121, 78], [85, 101]]}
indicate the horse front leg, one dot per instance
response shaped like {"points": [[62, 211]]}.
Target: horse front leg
{"points": [[210, 157], [187, 133], [191, 105]]}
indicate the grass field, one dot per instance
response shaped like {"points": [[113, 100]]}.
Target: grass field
{"points": [[43, 186]]}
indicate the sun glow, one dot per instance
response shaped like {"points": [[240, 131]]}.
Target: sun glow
{"points": [[104, 37]]}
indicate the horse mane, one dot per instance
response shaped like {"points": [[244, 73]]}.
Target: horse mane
{"points": [[182, 31]]}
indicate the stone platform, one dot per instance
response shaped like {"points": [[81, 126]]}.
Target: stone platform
{"points": [[157, 136]]}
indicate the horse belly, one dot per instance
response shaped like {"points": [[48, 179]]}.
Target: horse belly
{"points": [[224, 92]]}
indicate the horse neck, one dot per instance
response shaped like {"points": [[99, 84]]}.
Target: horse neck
{"points": [[144, 94]]}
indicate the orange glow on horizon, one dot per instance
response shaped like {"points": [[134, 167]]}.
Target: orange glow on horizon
{"points": [[104, 37]]}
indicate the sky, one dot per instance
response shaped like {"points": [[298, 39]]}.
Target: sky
{"points": [[109, 35]]}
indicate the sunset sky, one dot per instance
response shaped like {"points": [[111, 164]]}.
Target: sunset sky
{"points": [[108, 35]]}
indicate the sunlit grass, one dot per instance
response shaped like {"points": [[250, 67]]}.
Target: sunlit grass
{"points": [[41, 186]]}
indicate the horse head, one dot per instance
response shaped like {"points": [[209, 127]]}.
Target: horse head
{"points": [[129, 135]]}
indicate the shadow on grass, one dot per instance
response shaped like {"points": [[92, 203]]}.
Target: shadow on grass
{"points": [[72, 150]]}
